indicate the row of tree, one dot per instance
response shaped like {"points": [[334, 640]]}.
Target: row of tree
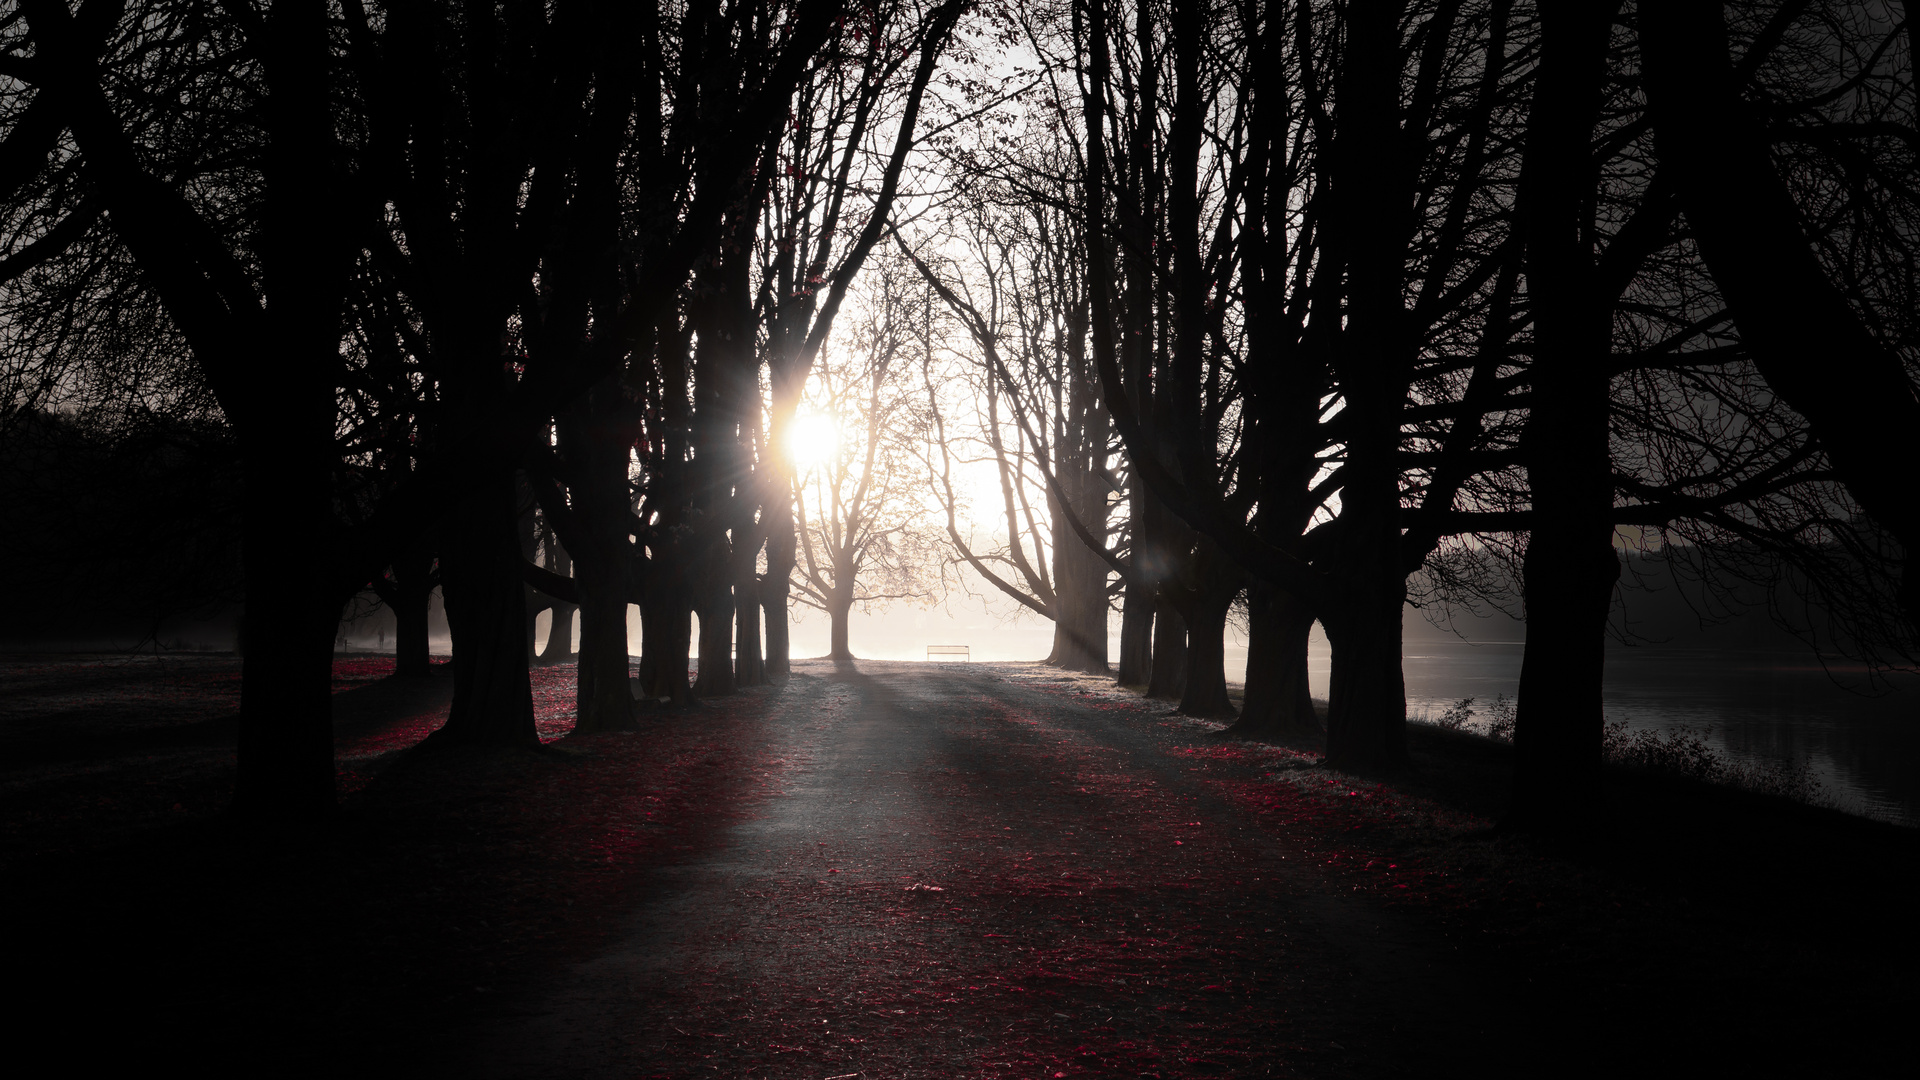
{"points": [[1283, 303], [431, 258], [1371, 294]]}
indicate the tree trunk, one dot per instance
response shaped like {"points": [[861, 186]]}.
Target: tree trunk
{"points": [[749, 539], [603, 691], [1560, 724], [1168, 678], [284, 756], [1080, 636], [667, 636], [559, 646], [1205, 692], [1367, 706], [597, 442], [1570, 566], [841, 611], [486, 602], [1080, 602], [1079, 606], [1137, 600], [716, 641], [413, 598], [749, 669], [782, 554], [532, 602], [1279, 701], [1136, 636]]}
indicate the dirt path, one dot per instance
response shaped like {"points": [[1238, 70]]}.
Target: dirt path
{"points": [[909, 870], [983, 870]]}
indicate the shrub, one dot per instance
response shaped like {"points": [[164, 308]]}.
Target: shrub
{"points": [[1673, 753], [1795, 782], [1677, 753], [1457, 715], [1500, 718], [1682, 753]]}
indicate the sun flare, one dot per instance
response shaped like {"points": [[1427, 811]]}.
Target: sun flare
{"points": [[812, 438]]}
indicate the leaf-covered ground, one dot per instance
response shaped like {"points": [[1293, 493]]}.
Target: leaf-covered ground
{"points": [[904, 870]]}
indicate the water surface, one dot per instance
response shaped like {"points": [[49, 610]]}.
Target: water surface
{"points": [[1760, 707]]}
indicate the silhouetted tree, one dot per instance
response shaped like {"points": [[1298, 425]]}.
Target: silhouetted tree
{"points": [[811, 247], [860, 506], [1860, 397], [233, 274], [1020, 295]]}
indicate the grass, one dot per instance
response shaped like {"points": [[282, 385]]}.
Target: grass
{"points": [[1671, 754]]}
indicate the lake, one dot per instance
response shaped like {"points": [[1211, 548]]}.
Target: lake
{"points": [[1752, 706]]}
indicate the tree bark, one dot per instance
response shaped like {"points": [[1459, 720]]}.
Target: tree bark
{"points": [[603, 690], [1169, 673], [486, 604], [284, 756], [840, 612], [1570, 566], [749, 668], [412, 601], [559, 646], [598, 443], [529, 549], [1367, 711], [777, 585], [1205, 691], [716, 640], [1279, 700], [1136, 636], [667, 636], [1080, 598], [1367, 695]]}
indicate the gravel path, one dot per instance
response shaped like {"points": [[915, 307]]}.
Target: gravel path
{"points": [[997, 870]]}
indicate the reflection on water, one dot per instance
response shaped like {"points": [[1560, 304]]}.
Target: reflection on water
{"points": [[1758, 707]]}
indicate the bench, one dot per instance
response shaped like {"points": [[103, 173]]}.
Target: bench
{"points": [[960, 651]]}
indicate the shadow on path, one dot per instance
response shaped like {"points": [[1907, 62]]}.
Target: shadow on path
{"points": [[962, 877]]}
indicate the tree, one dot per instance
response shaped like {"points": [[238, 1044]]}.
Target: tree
{"points": [[1020, 296], [229, 280], [806, 267], [1570, 565], [861, 503], [1860, 399], [1377, 306], [305, 151]]}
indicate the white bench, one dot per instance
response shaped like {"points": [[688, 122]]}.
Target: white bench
{"points": [[960, 651]]}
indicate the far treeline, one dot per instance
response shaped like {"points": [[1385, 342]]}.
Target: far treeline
{"points": [[1311, 307]]}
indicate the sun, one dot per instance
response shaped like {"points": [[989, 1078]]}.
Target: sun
{"points": [[812, 438]]}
